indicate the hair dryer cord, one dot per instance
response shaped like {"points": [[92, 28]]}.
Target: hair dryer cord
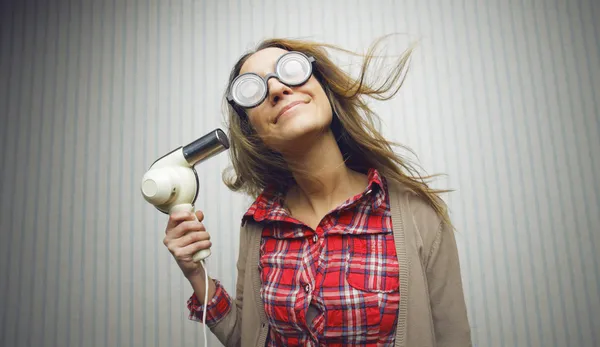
{"points": [[205, 300]]}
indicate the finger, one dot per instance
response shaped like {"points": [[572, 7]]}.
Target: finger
{"points": [[176, 218], [200, 215], [186, 227], [187, 239], [182, 228], [187, 252], [190, 238]]}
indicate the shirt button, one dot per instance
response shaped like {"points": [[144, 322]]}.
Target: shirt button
{"points": [[315, 238], [307, 288]]}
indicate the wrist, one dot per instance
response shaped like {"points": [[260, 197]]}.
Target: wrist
{"points": [[199, 286], [196, 276], [195, 273]]}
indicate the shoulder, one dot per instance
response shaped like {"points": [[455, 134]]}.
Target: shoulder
{"points": [[417, 206], [424, 220]]}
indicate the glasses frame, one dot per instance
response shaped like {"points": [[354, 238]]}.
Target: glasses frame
{"points": [[311, 60]]}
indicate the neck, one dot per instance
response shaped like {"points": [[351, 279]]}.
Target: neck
{"points": [[322, 177]]}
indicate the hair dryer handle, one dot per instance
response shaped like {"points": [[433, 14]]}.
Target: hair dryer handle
{"points": [[200, 255]]}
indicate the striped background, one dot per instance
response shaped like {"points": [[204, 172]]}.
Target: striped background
{"points": [[503, 97]]}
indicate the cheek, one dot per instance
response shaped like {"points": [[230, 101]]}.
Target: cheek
{"points": [[318, 94], [257, 119], [322, 104]]}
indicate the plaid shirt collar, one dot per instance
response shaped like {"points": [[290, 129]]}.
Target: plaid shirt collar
{"points": [[268, 206]]}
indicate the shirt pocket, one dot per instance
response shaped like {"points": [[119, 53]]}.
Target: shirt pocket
{"points": [[372, 264]]}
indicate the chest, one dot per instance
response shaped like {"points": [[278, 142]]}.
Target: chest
{"points": [[337, 282]]}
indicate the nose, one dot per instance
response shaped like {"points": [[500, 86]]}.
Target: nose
{"points": [[277, 90]]}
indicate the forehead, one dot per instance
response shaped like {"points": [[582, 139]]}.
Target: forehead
{"points": [[263, 61]]}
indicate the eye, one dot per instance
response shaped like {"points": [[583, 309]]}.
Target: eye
{"points": [[249, 90], [293, 70]]}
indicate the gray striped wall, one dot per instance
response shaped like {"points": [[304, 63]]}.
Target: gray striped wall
{"points": [[503, 97]]}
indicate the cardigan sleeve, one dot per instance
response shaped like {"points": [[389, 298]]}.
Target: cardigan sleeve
{"points": [[444, 281], [228, 328]]}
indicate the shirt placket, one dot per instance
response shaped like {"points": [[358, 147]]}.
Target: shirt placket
{"points": [[318, 250], [307, 279]]}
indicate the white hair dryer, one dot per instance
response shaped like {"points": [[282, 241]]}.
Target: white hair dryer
{"points": [[171, 182]]}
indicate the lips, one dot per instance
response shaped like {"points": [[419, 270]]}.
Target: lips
{"points": [[287, 107]]}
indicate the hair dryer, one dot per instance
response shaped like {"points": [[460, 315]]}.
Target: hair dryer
{"points": [[171, 182]]}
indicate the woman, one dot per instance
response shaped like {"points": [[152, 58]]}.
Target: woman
{"points": [[342, 246]]}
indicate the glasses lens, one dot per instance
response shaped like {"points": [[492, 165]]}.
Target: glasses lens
{"points": [[248, 90], [294, 69]]}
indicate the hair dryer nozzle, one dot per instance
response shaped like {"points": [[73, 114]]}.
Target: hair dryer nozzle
{"points": [[206, 147]]}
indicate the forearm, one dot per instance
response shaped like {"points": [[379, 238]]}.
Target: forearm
{"points": [[199, 286]]}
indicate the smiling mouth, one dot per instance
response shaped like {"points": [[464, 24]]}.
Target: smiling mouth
{"points": [[287, 108]]}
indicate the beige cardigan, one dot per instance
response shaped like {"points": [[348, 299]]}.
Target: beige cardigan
{"points": [[432, 306]]}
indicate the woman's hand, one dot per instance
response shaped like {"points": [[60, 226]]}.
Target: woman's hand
{"points": [[184, 236]]}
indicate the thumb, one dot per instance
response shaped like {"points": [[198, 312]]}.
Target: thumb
{"points": [[199, 215]]}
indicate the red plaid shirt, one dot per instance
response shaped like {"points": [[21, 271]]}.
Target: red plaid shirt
{"points": [[346, 271]]}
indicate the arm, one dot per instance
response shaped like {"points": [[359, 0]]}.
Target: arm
{"points": [[224, 318], [198, 286], [446, 292]]}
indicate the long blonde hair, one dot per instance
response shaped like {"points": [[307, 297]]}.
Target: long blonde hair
{"points": [[353, 124]]}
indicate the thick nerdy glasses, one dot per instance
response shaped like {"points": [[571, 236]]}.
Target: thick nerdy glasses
{"points": [[250, 90]]}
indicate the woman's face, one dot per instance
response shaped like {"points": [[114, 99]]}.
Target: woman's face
{"points": [[288, 115]]}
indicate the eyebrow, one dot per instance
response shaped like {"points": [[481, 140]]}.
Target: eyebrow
{"points": [[261, 74]]}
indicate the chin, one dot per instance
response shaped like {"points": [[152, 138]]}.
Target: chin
{"points": [[299, 130]]}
